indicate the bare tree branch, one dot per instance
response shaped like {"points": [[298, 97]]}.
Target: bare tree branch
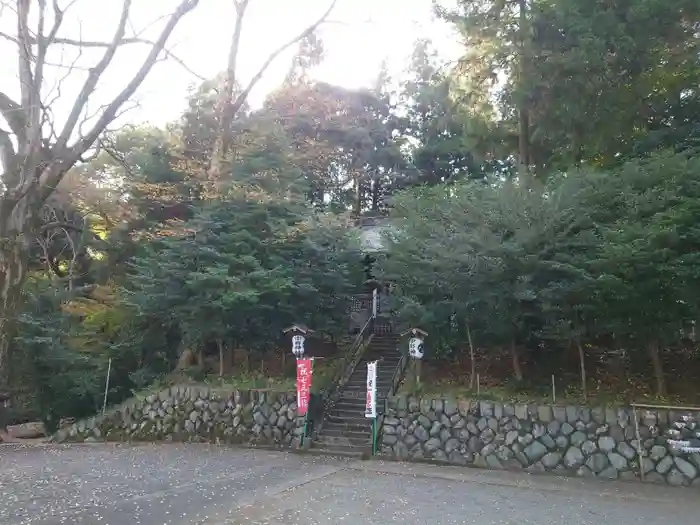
{"points": [[7, 152], [228, 108], [24, 38], [225, 110], [45, 42], [94, 77], [53, 174], [58, 85], [12, 113], [59, 225], [30, 148], [9, 37], [94, 44], [240, 100], [42, 47], [135, 40], [159, 45]]}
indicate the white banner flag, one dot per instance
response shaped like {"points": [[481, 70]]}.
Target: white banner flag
{"points": [[371, 404]]}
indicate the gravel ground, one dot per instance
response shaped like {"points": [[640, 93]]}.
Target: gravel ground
{"points": [[208, 485]]}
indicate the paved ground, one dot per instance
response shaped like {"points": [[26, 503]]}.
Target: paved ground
{"points": [[207, 485]]}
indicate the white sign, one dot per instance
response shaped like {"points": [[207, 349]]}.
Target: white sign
{"points": [[371, 404], [415, 347], [375, 302], [298, 345]]}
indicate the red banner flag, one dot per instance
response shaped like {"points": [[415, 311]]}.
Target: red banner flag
{"points": [[304, 371]]}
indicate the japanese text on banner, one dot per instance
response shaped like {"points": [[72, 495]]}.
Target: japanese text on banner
{"points": [[371, 405], [304, 371]]}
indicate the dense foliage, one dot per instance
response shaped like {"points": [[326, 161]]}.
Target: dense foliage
{"points": [[544, 195], [593, 255]]}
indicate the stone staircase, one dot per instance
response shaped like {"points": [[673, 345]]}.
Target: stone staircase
{"points": [[345, 429]]}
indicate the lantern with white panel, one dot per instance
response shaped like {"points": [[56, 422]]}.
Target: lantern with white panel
{"points": [[415, 347], [416, 342], [298, 345], [299, 333], [416, 350]]}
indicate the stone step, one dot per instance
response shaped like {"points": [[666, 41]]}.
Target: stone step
{"points": [[384, 359], [384, 374], [344, 441], [347, 421], [349, 452], [338, 431], [382, 393], [383, 368], [362, 369], [383, 371], [363, 378], [383, 384], [356, 422], [343, 426], [362, 433], [349, 404], [387, 373], [354, 393], [387, 361], [345, 413]]}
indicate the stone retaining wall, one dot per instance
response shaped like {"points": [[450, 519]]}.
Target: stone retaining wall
{"points": [[538, 438], [197, 414]]}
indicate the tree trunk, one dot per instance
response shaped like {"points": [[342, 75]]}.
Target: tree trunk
{"points": [[12, 276], [582, 363], [524, 159], [14, 259], [472, 358], [517, 369], [222, 365], [229, 358], [226, 110], [658, 368], [186, 359]]}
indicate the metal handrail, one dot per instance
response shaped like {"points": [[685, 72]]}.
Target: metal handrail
{"points": [[355, 354], [361, 335]]}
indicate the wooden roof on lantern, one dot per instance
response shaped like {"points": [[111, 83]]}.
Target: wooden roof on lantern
{"points": [[415, 331], [298, 327]]}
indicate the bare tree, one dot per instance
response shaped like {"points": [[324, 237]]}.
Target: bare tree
{"points": [[227, 106], [34, 153]]}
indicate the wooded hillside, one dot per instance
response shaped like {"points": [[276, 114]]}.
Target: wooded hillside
{"points": [[544, 193]]}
